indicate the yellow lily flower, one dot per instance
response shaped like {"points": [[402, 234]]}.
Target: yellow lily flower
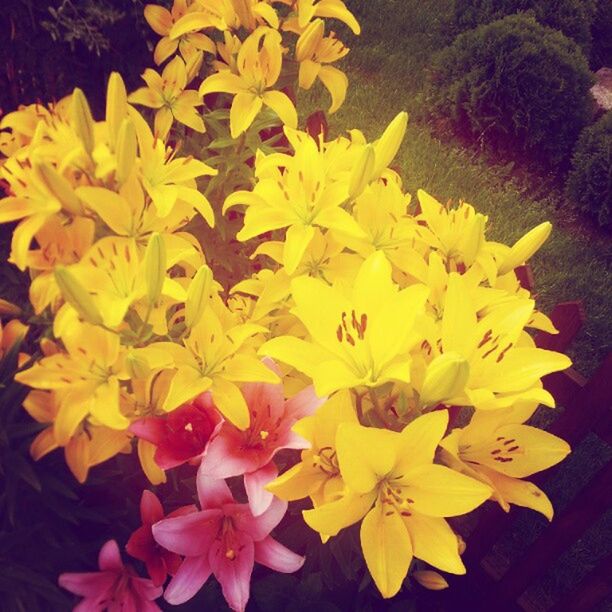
{"points": [[499, 449], [360, 337], [259, 65], [162, 22], [458, 235], [504, 364], [308, 9], [314, 52], [404, 497], [211, 359], [86, 448], [168, 179], [317, 474], [299, 197], [58, 244], [167, 94], [87, 375], [525, 247]]}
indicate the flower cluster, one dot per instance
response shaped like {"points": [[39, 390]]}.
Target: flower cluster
{"points": [[368, 322]]}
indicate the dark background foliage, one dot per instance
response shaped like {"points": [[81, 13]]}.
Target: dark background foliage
{"points": [[50, 46]]}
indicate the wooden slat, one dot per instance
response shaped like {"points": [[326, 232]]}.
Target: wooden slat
{"points": [[524, 274], [582, 512], [591, 591], [568, 318], [592, 403]]}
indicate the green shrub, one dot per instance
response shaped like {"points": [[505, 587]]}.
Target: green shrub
{"points": [[572, 17], [589, 183], [601, 53], [515, 85]]}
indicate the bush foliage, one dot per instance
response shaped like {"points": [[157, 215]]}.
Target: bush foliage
{"points": [[572, 17], [589, 184], [514, 84]]}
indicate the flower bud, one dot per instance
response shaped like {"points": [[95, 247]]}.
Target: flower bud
{"points": [[198, 295], [82, 119], [388, 144], [445, 378], [59, 187], [525, 247], [309, 40], [473, 239], [73, 292], [430, 580], [116, 106], [155, 267], [362, 172], [125, 150]]}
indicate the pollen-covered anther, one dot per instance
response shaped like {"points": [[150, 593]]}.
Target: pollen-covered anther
{"points": [[230, 553]]}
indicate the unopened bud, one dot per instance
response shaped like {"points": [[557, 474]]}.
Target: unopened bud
{"points": [[362, 172], [74, 293], [430, 580], [473, 239], [116, 106], [445, 378], [125, 150], [59, 187], [309, 40], [198, 295], [389, 143], [82, 119], [155, 267], [525, 247]]}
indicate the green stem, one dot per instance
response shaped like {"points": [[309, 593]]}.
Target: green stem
{"points": [[380, 411]]}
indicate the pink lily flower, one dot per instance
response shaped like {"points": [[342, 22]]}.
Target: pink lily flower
{"points": [[141, 545], [183, 434], [116, 587], [224, 539], [234, 452]]}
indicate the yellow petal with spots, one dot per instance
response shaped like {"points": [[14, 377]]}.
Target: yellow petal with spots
{"points": [[386, 548]]}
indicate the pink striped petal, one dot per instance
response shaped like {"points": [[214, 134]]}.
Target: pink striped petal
{"points": [[151, 509], [109, 557], [189, 535], [212, 492], [152, 429], [260, 526], [87, 584], [276, 556], [303, 404], [233, 567], [254, 483], [188, 580], [225, 456]]}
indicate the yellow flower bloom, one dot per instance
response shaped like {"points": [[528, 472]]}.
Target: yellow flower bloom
{"points": [[504, 364], [86, 448], [167, 94], [308, 9], [361, 337], [87, 375], [299, 197], [394, 473], [499, 449], [211, 359], [162, 22], [458, 235], [317, 474], [315, 52], [259, 65]]}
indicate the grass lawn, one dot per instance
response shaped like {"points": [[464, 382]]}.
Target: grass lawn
{"points": [[386, 69]]}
